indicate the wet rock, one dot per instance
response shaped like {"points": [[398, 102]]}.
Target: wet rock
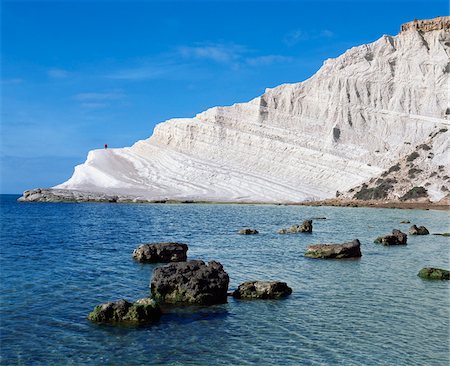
{"points": [[143, 311], [161, 252], [248, 231], [434, 274], [306, 227], [262, 290], [421, 230], [405, 222], [338, 251], [442, 234], [191, 282], [397, 238]]}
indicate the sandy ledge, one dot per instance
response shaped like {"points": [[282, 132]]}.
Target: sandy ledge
{"points": [[63, 195]]}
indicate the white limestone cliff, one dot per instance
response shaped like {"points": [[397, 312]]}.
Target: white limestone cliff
{"points": [[357, 116]]}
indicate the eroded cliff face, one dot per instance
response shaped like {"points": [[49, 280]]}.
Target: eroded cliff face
{"points": [[357, 116]]}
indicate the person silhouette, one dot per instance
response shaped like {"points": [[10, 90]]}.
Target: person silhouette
{"points": [[106, 146]]}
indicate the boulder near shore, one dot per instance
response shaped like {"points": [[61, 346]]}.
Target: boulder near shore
{"points": [[192, 282], [143, 311], [335, 251], [161, 253], [430, 273], [262, 290], [305, 227], [421, 230], [248, 231], [396, 238]]}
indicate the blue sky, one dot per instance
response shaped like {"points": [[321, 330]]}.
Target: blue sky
{"points": [[76, 75]]}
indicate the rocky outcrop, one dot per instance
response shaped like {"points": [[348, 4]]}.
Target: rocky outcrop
{"points": [[427, 25], [248, 231], [421, 230], [306, 227], [397, 238], [262, 290], [191, 282], [350, 122], [335, 251], [434, 274], [143, 311], [161, 252]]}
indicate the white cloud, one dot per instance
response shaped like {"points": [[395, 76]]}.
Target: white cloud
{"points": [[93, 105], [113, 95], [298, 35], [57, 73], [267, 60], [223, 53]]}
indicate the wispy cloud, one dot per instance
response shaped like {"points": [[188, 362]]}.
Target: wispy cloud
{"points": [[93, 105], [267, 60], [218, 52], [13, 81], [56, 73], [113, 95], [298, 35], [146, 71]]}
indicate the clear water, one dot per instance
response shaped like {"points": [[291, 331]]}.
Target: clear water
{"points": [[60, 260]]}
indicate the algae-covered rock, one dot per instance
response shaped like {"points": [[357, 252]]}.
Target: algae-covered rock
{"points": [[262, 290], [161, 252], [248, 231], [430, 273], [305, 227], [192, 282], [143, 311], [335, 251]]}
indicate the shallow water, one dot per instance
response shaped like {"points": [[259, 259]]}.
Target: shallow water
{"points": [[60, 260]]}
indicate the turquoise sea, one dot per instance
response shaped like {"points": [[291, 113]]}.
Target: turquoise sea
{"points": [[60, 260]]}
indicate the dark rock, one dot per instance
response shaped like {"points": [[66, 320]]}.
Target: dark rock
{"points": [[421, 230], [397, 238], [306, 227], [338, 251], [318, 218], [405, 222], [191, 282], [143, 311], [434, 274], [161, 253], [248, 231], [442, 234], [262, 290]]}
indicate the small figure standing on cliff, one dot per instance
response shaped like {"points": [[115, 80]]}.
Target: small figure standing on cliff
{"points": [[106, 146]]}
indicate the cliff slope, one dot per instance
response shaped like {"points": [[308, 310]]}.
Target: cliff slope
{"points": [[359, 115]]}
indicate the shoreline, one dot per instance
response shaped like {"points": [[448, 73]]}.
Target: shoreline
{"points": [[67, 196]]}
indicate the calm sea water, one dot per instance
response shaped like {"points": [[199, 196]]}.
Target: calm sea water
{"points": [[60, 260]]}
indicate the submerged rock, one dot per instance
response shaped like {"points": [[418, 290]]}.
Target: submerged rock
{"points": [[442, 234], [434, 274], [397, 238], [161, 253], [248, 231], [306, 227], [421, 230], [337, 251], [262, 290], [143, 311], [405, 222], [191, 282]]}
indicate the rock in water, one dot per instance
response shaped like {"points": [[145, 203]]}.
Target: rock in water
{"points": [[338, 251], [304, 141], [306, 227], [248, 231], [191, 282], [262, 290], [434, 274], [397, 238], [143, 311], [161, 252], [421, 230]]}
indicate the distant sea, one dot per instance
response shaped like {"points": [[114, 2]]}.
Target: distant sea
{"points": [[60, 260]]}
